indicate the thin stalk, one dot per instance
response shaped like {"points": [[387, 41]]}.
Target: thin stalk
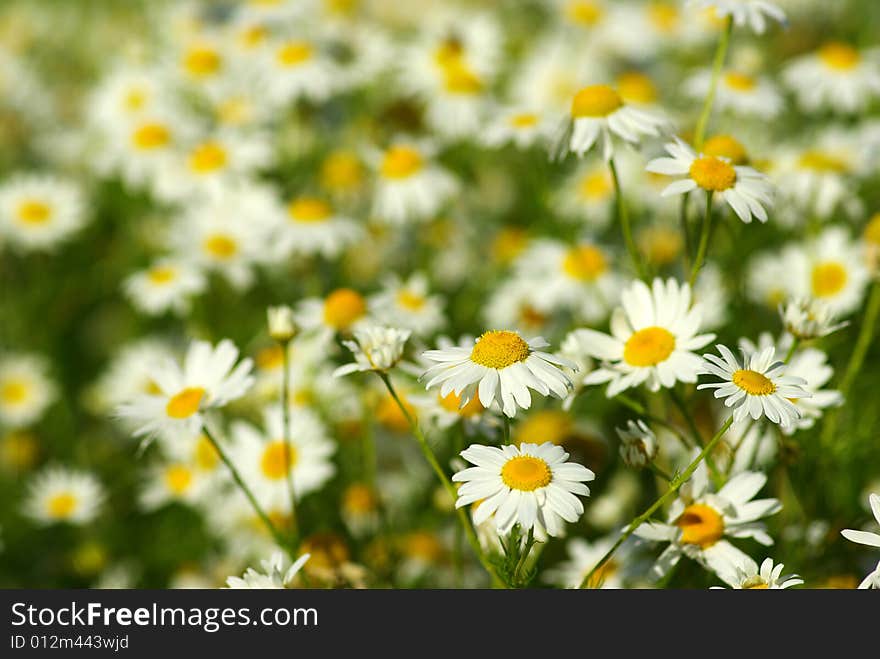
{"points": [[524, 555], [717, 65], [686, 231], [288, 448], [623, 218], [791, 350], [704, 240], [674, 486]]}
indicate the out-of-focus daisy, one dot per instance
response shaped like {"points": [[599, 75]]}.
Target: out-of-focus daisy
{"points": [[808, 318], [532, 485], [836, 76], [314, 226], [502, 367], [124, 95], [38, 211], [587, 195], [513, 304], [408, 304], [551, 75], [172, 481], [208, 378], [342, 174], [583, 556], [741, 93], [273, 576], [751, 13], [25, 389], [59, 494], [652, 338], [830, 268], [409, 185], [360, 509], [298, 67], [375, 348], [168, 284], [756, 386], [745, 190], [201, 59], [869, 539], [520, 126], [748, 576], [342, 310], [638, 443]]}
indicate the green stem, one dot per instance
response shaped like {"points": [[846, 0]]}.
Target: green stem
{"points": [[288, 448], [717, 65], [657, 470], [686, 231], [704, 240], [674, 486], [524, 555], [623, 217], [791, 350]]}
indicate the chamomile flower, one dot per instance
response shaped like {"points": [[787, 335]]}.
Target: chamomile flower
{"points": [[375, 348], [638, 443], [532, 485], [60, 494], [521, 126], [273, 576], [869, 539], [166, 285], [25, 389], [408, 304], [808, 318], [652, 338], [745, 190], [39, 211], [200, 59], [837, 76], [172, 482], [500, 367], [751, 13], [342, 310], [313, 226], [587, 195], [598, 113], [748, 576], [582, 557], [552, 74], [830, 268], [208, 378], [126, 94], [739, 92], [755, 386], [298, 67]]}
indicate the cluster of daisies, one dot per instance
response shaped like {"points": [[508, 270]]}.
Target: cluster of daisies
{"points": [[473, 258]]}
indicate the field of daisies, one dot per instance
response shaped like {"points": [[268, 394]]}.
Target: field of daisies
{"points": [[438, 294]]}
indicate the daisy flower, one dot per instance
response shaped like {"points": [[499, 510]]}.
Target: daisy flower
{"points": [[583, 556], [808, 318], [314, 226], [375, 348], [532, 485], [745, 190], [125, 94], [652, 338], [166, 285], [207, 379], [500, 367], [273, 576], [59, 494], [298, 67], [739, 92], [749, 576], [756, 386], [25, 389], [836, 76], [597, 113], [39, 211], [520, 126], [638, 444], [869, 539], [409, 305], [753, 13], [172, 482], [587, 195], [342, 310]]}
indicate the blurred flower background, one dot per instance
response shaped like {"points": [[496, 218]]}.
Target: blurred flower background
{"points": [[448, 206]]}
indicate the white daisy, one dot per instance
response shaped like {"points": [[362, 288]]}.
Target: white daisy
{"points": [[520, 126], [375, 348], [638, 443], [26, 389], [745, 190], [172, 482], [273, 576], [409, 305], [314, 226], [298, 67], [753, 13], [588, 195], [532, 485], [836, 76], [59, 494], [748, 576], [38, 211], [739, 92], [166, 285], [831, 268], [756, 386], [869, 539], [502, 367], [652, 338], [583, 556], [808, 318], [342, 310]]}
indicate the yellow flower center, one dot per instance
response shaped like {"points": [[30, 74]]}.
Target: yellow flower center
{"points": [[531, 317], [449, 52], [636, 87], [185, 403], [523, 120], [424, 546], [275, 460], [309, 209], [700, 525], [822, 162], [61, 505], [161, 274], [595, 101], [725, 146], [32, 211], [341, 171], [389, 415], [553, 426], [221, 246], [271, 357], [207, 158], [409, 300], [755, 583], [178, 478], [359, 499], [343, 307], [663, 16], [648, 347], [295, 53], [508, 244], [134, 100], [839, 56], [499, 349], [205, 455], [202, 62], [19, 450], [252, 36], [458, 78], [828, 279], [583, 12], [13, 392], [713, 174], [739, 81], [595, 186], [151, 136], [328, 550], [452, 403], [401, 162], [661, 245], [585, 263], [234, 111], [526, 473], [872, 230], [753, 383]]}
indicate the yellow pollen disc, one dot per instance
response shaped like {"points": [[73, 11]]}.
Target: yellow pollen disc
{"points": [[234, 111], [585, 263], [342, 7], [253, 36], [401, 162], [343, 307], [739, 81], [499, 349], [713, 174], [700, 525], [872, 230], [295, 53], [526, 473], [508, 244], [221, 246], [178, 478], [309, 209], [274, 461], [389, 415], [725, 146], [424, 546], [61, 505], [14, 391], [553, 426], [186, 403], [636, 87], [753, 383], [359, 499], [602, 575], [341, 171], [648, 347], [452, 403], [206, 457], [828, 279], [449, 52], [409, 300], [839, 56], [531, 317], [161, 274], [134, 100], [663, 16], [595, 186], [583, 12], [822, 162], [207, 158], [595, 101], [150, 387], [151, 136], [269, 358], [328, 550], [523, 120], [202, 62], [458, 78], [32, 211], [19, 450], [755, 583], [661, 245]]}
